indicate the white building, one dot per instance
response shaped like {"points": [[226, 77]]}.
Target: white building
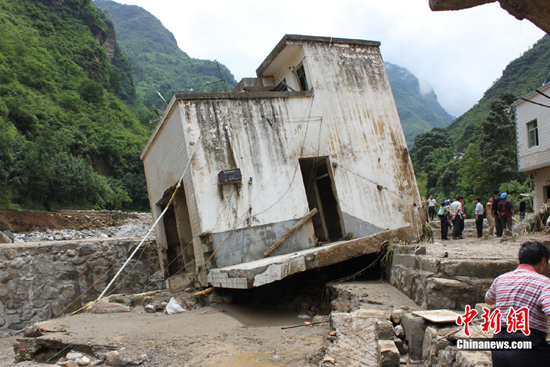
{"points": [[533, 140], [318, 128]]}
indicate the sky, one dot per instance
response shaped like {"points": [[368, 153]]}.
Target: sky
{"points": [[459, 54]]}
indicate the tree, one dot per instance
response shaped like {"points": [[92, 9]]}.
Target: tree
{"points": [[497, 148], [425, 144]]}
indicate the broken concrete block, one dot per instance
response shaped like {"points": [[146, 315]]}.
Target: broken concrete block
{"points": [[104, 306], [389, 355], [433, 344], [384, 330], [445, 293], [400, 345], [414, 327], [399, 331]]}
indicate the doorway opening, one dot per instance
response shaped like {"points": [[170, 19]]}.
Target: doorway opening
{"points": [[177, 227], [321, 194]]}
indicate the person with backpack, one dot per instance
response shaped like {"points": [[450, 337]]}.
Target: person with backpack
{"points": [[505, 212], [498, 225], [443, 214]]}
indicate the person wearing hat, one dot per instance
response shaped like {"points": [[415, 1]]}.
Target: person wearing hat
{"points": [[444, 216], [505, 211]]}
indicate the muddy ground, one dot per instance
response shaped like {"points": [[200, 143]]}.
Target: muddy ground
{"points": [[202, 337], [228, 335]]}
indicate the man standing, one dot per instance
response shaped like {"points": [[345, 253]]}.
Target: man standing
{"points": [[490, 217], [431, 208], [479, 218], [498, 225], [456, 215], [521, 208], [527, 286], [505, 211]]}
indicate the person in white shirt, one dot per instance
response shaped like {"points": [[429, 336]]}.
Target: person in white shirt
{"points": [[479, 218], [431, 208], [456, 215]]}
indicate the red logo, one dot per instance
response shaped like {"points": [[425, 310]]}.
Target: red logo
{"points": [[516, 320]]}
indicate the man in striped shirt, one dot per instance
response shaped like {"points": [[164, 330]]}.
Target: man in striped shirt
{"points": [[526, 287]]}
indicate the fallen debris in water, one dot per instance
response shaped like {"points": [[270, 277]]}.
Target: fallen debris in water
{"points": [[306, 323]]}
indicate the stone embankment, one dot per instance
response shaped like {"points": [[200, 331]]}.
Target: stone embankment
{"points": [[49, 273]]}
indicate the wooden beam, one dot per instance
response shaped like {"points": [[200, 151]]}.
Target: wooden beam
{"points": [[290, 232]]}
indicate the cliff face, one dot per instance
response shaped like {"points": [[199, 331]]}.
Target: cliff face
{"points": [[66, 132], [419, 112], [158, 63]]}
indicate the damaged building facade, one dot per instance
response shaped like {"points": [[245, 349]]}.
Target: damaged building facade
{"points": [[318, 128]]}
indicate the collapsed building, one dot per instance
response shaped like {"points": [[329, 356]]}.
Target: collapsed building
{"points": [[317, 129]]}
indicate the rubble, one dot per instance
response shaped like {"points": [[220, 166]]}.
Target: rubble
{"points": [[131, 228]]}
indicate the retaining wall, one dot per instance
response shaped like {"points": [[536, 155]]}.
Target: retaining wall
{"points": [[40, 280]]}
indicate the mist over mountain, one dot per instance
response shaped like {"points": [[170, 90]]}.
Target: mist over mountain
{"points": [[419, 112]]}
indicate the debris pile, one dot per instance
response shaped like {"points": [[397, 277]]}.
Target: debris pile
{"points": [[136, 226]]}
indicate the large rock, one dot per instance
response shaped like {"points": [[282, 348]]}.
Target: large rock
{"points": [[4, 238], [389, 355], [415, 327]]}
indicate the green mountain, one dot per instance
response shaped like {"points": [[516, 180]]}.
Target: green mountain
{"points": [[159, 64], [520, 77], [71, 126], [418, 112]]}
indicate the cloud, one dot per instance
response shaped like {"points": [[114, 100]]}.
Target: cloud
{"points": [[459, 54]]}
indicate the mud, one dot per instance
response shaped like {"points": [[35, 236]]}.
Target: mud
{"points": [[25, 221]]}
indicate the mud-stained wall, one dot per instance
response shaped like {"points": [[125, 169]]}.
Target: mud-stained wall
{"points": [[374, 179], [40, 281], [348, 116]]}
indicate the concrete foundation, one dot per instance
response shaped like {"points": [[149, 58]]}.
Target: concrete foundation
{"points": [[452, 282], [268, 270]]}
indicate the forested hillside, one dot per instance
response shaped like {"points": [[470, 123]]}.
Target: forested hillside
{"points": [[159, 64], [477, 152], [418, 112], [71, 126], [520, 77]]}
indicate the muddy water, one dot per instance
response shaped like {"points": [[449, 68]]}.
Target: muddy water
{"points": [[251, 316], [272, 351]]}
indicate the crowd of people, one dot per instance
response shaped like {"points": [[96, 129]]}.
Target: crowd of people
{"points": [[498, 210]]}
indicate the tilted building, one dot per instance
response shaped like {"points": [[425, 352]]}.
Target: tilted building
{"points": [[318, 128]]}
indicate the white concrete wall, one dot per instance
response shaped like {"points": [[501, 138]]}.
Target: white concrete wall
{"points": [[532, 158], [542, 180], [362, 131], [536, 159]]}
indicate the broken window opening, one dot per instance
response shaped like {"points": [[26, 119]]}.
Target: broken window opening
{"points": [[320, 192], [281, 87], [302, 80]]}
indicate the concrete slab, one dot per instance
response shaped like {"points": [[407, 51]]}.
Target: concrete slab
{"points": [[268, 270]]}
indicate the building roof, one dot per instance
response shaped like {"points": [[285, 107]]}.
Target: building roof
{"points": [[294, 39], [533, 93]]}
